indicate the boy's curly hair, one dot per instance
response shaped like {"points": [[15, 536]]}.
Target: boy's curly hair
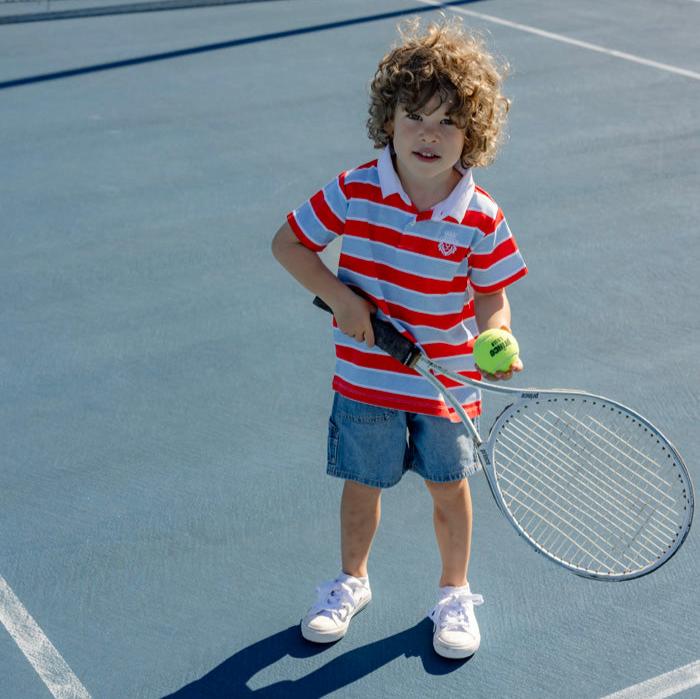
{"points": [[453, 63]]}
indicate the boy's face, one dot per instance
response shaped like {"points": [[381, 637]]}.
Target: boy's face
{"points": [[428, 144]]}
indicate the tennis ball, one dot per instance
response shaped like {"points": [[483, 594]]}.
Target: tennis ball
{"points": [[495, 350]]}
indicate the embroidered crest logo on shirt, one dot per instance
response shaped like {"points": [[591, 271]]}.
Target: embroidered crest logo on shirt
{"points": [[448, 243]]}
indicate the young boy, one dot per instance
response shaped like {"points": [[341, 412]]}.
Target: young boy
{"points": [[426, 249]]}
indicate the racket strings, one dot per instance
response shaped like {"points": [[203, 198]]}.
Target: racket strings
{"points": [[609, 452], [588, 522], [548, 515], [598, 468], [630, 447], [595, 453], [582, 485], [587, 511], [556, 476], [639, 501], [591, 483]]}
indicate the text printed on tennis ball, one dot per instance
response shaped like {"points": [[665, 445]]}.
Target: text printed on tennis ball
{"points": [[499, 346]]}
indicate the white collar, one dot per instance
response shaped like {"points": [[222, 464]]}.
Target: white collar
{"points": [[456, 203]]}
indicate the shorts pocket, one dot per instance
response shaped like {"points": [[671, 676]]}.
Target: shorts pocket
{"points": [[332, 444]]}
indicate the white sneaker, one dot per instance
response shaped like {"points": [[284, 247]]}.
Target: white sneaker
{"points": [[336, 603], [456, 633]]}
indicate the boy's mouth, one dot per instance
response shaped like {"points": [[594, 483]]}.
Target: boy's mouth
{"points": [[426, 156]]}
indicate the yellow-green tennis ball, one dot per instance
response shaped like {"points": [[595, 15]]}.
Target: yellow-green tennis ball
{"points": [[495, 350]]}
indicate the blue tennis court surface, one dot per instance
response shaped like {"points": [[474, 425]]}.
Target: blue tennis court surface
{"points": [[166, 385]]}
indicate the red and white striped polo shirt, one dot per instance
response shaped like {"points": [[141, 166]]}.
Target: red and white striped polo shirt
{"points": [[419, 269]]}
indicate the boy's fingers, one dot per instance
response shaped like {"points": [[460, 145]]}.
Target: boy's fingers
{"points": [[369, 330], [486, 375], [502, 375]]}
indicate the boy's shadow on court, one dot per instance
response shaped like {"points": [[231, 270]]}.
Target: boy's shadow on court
{"points": [[230, 678]]}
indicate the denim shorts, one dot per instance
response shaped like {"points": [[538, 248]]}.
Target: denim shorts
{"points": [[376, 446]]}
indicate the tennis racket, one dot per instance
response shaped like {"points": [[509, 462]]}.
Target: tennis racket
{"points": [[587, 482]]}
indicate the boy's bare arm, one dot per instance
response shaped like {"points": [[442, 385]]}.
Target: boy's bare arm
{"points": [[493, 311], [352, 312]]}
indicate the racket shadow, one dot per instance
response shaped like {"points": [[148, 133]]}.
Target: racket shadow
{"points": [[231, 677]]}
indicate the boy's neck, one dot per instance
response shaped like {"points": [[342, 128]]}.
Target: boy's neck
{"points": [[426, 194]]}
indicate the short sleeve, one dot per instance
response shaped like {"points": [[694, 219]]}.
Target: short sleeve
{"points": [[495, 260], [320, 219]]}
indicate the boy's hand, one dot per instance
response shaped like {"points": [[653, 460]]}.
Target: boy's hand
{"points": [[515, 367], [353, 316]]}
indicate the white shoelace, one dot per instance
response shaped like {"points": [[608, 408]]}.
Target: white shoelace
{"points": [[450, 613], [334, 599]]}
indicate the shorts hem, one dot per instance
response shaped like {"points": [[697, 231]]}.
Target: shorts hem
{"points": [[464, 474], [373, 483]]}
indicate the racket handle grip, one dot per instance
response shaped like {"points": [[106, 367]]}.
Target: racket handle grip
{"points": [[386, 337]]}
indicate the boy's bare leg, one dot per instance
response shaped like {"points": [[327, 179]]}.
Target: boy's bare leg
{"points": [[360, 511], [452, 517]]}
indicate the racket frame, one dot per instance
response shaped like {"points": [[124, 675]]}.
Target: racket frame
{"points": [[486, 454]]}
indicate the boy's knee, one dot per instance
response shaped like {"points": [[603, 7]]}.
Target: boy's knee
{"points": [[447, 491]]}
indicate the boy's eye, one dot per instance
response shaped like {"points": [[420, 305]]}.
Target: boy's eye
{"points": [[413, 115], [448, 121]]}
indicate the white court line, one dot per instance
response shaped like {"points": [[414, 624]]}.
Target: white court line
{"points": [[665, 685], [40, 652], [567, 40]]}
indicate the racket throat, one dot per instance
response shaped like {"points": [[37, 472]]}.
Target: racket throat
{"points": [[423, 367]]}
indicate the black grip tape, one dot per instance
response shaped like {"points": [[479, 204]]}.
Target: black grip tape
{"points": [[386, 337]]}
